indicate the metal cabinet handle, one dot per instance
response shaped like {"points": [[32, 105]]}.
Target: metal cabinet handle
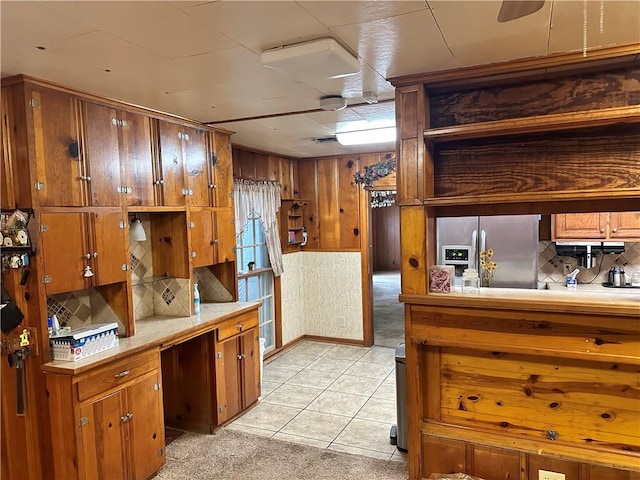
{"points": [[87, 256], [95, 254], [193, 254], [602, 230], [123, 373], [212, 186], [239, 326], [615, 229], [125, 418]]}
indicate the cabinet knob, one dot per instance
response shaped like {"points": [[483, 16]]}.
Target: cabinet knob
{"points": [[212, 186], [602, 230], [615, 229], [87, 256], [126, 418], [95, 254], [239, 326], [193, 254]]}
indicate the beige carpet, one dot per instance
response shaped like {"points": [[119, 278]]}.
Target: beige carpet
{"points": [[232, 455]]}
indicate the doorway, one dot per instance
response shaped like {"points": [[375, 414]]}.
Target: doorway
{"points": [[388, 312]]}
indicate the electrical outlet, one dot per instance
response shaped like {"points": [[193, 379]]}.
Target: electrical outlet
{"points": [[546, 475], [567, 268]]}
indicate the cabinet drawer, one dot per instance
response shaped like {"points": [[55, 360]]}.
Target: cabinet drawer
{"points": [[119, 372], [238, 324]]}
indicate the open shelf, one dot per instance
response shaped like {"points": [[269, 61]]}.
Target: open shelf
{"points": [[292, 224], [540, 123]]}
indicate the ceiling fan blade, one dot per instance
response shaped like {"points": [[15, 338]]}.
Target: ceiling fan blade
{"points": [[512, 9]]}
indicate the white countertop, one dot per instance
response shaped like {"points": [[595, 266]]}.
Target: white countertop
{"points": [[156, 331], [586, 288], [585, 299]]}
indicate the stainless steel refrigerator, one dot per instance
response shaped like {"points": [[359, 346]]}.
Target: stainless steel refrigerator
{"points": [[512, 238]]}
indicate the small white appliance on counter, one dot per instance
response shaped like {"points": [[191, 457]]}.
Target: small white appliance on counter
{"points": [[513, 239]]}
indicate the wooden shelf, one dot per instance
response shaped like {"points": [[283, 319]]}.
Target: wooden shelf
{"points": [[292, 223], [541, 123]]}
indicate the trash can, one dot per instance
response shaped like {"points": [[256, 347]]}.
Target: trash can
{"points": [[262, 348], [399, 431]]}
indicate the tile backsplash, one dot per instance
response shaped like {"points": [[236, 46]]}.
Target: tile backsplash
{"points": [[550, 265], [82, 308]]}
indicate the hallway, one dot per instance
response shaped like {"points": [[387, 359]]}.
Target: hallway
{"points": [[388, 312]]}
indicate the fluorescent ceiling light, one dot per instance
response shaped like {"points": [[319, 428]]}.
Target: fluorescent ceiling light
{"points": [[363, 137], [314, 60]]}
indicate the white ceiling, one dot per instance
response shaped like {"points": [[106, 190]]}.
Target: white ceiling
{"points": [[201, 60]]}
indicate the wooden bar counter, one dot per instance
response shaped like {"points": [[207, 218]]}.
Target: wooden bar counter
{"points": [[508, 382]]}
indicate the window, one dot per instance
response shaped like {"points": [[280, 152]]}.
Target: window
{"points": [[255, 278]]}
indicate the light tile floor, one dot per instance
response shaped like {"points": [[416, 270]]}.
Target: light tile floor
{"points": [[339, 397]]}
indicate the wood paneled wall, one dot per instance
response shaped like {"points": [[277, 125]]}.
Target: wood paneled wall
{"points": [[385, 238], [254, 165], [336, 203]]}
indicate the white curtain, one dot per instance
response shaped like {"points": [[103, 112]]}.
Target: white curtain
{"points": [[263, 198]]}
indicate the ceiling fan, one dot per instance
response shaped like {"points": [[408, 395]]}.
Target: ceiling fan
{"points": [[512, 9]]}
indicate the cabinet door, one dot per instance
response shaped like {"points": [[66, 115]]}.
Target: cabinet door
{"points": [[103, 454], [225, 236], [202, 238], [137, 157], [58, 167], [228, 396], [250, 366], [171, 164], [101, 155], [569, 226], [197, 163], [624, 225], [223, 170], [147, 426], [109, 247], [63, 246]]}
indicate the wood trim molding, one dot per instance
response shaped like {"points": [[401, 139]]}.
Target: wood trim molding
{"points": [[551, 65], [28, 80]]}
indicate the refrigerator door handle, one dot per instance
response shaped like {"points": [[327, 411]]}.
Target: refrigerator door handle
{"points": [[473, 255], [483, 248]]}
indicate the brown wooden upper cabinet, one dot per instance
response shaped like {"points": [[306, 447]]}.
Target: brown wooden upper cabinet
{"points": [[212, 237], [169, 179], [615, 226], [60, 173], [77, 244], [209, 170], [82, 149]]}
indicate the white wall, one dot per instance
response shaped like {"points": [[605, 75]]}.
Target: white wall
{"points": [[292, 284], [322, 295]]}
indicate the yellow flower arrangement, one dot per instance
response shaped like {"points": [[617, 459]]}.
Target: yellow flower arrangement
{"points": [[488, 267]]}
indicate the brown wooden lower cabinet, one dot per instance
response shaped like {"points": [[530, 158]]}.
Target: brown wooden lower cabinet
{"points": [[108, 423], [214, 377], [446, 455], [237, 374]]}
